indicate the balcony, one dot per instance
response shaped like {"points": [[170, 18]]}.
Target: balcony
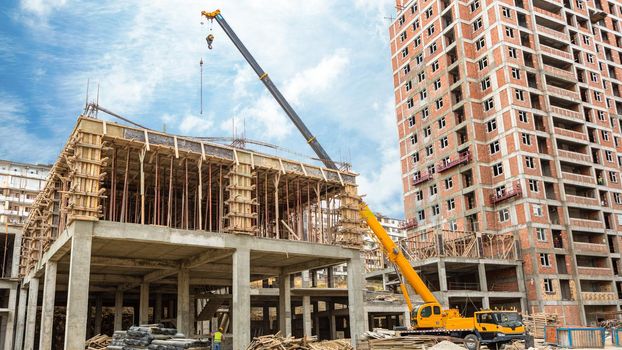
{"points": [[463, 158], [552, 32], [560, 73], [573, 95], [586, 223], [584, 247], [422, 178], [571, 133], [548, 13], [578, 178], [566, 113], [409, 224], [580, 200], [599, 296], [557, 53], [594, 271], [574, 155], [501, 196]]}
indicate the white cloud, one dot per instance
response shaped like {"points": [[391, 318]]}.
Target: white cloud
{"points": [[41, 8], [380, 177], [196, 125], [19, 142]]}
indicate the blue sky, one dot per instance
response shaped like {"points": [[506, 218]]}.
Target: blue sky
{"points": [[331, 59]]}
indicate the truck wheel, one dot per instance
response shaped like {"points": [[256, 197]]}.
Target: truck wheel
{"points": [[471, 342]]}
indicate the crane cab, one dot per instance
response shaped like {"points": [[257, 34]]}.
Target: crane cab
{"points": [[427, 316]]}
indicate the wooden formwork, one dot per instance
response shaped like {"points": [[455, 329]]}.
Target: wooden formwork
{"points": [[113, 172]]}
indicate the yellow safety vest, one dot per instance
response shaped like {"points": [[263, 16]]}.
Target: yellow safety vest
{"points": [[217, 337]]}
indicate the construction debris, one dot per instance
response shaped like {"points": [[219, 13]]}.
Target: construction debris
{"points": [[276, 341], [535, 323], [100, 341], [612, 323], [411, 342], [379, 333]]}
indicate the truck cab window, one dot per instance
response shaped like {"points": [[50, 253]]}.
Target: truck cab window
{"points": [[426, 311]]}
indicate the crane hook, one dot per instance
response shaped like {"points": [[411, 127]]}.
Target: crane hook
{"points": [[210, 40]]}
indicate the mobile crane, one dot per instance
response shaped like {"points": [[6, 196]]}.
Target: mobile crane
{"points": [[492, 328]]}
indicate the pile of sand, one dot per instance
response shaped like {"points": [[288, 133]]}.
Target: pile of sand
{"points": [[446, 345]]}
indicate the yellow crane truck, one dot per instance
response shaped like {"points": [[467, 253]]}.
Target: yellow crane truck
{"points": [[488, 327]]}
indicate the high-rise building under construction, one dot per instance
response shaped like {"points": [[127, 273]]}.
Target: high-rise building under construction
{"points": [[509, 116]]}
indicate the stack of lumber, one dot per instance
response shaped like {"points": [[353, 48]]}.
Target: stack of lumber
{"points": [[278, 342], [406, 342], [535, 323], [98, 342]]}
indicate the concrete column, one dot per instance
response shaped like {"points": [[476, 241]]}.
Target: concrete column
{"points": [[98, 315], [157, 312], [31, 314], [78, 285], [10, 318], [520, 278], [483, 285], [47, 307], [183, 302], [285, 305], [307, 324], [118, 310], [192, 315], [407, 320], [17, 248], [143, 317], [355, 298], [241, 298], [332, 321], [330, 278], [21, 319], [442, 280]]}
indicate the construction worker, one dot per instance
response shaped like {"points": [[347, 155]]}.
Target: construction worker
{"points": [[217, 339]]}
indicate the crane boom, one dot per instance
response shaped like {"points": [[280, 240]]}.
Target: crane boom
{"points": [[396, 256], [263, 76]]}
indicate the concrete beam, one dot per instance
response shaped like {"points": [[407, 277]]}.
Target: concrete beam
{"points": [[205, 257], [47, 307], [134, 263], [159, 234], [241, 299], [316, 263], [31, 314], [78, 294]]}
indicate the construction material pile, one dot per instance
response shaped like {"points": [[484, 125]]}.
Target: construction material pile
{"points": [[154, 337], [411, 342], [535, 323], [612, 323], [278, 342], [98, 342]]}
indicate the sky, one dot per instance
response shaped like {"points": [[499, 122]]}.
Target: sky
{"points": [[330, 58]]}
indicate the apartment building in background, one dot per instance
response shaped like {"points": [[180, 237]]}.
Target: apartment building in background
{"points": [[509, 114], [19, 186]]}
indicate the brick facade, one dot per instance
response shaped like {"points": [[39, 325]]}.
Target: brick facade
{"points": [[509, 116]]}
